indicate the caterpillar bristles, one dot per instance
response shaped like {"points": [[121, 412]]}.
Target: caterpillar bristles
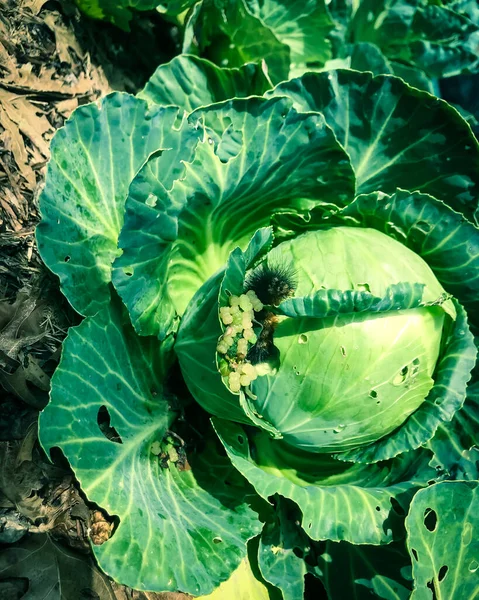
{"points": [[272, 284]]}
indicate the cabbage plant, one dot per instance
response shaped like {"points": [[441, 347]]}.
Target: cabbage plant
{"points": [[305, 258]]}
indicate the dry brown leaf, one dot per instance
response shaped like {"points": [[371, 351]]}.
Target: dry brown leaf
{"points": [[123, 592], [9, 203], [34, 6], [13, 141], [64, 38], [31, 122]]}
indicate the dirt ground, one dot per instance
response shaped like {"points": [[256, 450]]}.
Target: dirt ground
{"points": [[52, 59]]}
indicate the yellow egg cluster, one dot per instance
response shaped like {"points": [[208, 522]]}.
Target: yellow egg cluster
{"points": [[238, 336]]}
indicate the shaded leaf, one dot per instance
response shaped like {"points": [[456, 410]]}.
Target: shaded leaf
{"points": [[52, 571], [285, 553], [396, 136], [118, 12], [365, 572], [456, 444], [433, 38]]}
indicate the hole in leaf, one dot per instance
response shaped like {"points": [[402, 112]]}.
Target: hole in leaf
{"points": [[217, 540], [103, 419], [430, 585], [343, 350], [373, 394], [67, 258], [378, 508], [397, 508], [430, 519], [423, 226], [414, 553], [442, 572], [241, 439], [298, 552], [473, 566], [310, 525], [400, 377]]}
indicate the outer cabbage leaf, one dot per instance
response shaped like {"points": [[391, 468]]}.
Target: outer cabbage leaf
{"points": [[301, 25], [456, 444], [329, 493], [227, 33], [288, 35], [443, 539], [190, 82], [257, 156], [365, 56], [469, 8], [433, 38], [285, 553], [93, 160], [396, 136], [178, 509], [118, 12]]}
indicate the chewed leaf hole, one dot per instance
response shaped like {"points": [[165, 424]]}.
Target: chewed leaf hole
{"points": [[241, 439], [423, 226], [430, 585], [343, 351], [373, 394], [414, 553], [398, 509], [103, 419], [430, 519], [298, 552], [303, 339], [442, 572], [310, 525], [473, 566], [217, 540], [67, 258], [128, 272], [378, 508], [400, 377]]}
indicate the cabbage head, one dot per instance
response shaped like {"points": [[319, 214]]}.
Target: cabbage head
{"points": [[337, 379]]}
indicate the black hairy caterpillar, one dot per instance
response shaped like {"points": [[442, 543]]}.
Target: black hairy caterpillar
{"points": [[271, 285], [264, 349]]}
